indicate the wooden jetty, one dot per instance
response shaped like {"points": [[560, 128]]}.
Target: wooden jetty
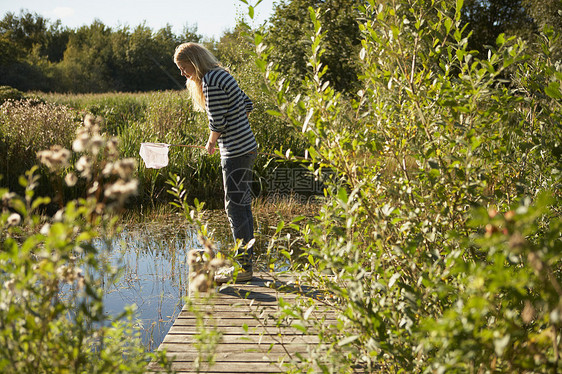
{"points": [[243, 318]]}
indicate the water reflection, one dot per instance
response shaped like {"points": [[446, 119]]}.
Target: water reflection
{"points": [[152, 259]]}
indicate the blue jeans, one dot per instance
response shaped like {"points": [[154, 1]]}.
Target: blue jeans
{"points": [[237, 181]]}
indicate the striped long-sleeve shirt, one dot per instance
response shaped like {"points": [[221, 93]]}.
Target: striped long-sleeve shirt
{"points": [[227, 107]]}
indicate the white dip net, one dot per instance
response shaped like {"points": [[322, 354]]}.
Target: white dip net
{"points": [[154, 155]]}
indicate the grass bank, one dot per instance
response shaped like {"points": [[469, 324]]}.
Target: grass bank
{"points": [[27, 127]]}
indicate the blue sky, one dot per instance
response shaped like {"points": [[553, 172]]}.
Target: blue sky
{"points": [[212, 17]]}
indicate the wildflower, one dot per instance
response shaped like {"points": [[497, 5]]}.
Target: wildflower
{"points": [[96, 143], [83, 165], [14, 219], [70, 179], [55, 158], [82, 140], [125, 168], [45, 229], [121, 190]]}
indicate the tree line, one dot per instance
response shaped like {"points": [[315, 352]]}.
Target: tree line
{"points": [[37, 54]]}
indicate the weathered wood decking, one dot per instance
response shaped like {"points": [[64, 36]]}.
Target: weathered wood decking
{"points": [[246, 316]]}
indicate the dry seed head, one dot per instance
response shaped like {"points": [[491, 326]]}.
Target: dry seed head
{"points": [[112, 146], [7, 197], [55, 158], [59, 215], [70, 179], [10, 285], [89, 120], [92, 190], [126, 167], [14, 219], [121, 190], [217, 263], [80, 144], [108, 169], [200, 283], [45, 229], [96, 143], [68, 274], [84, 166], [192, 257], [528, 313]]}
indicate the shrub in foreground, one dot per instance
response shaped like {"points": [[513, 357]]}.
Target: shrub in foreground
{"points": [[52, 317], [426, 275]]}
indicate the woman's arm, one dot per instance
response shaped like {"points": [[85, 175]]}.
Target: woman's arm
{"points": [[213, 136]]}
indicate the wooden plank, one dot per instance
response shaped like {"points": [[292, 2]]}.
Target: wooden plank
{"points": [[228, 367], [240, 330], [173, 349], [260, 347], [242, 338]]}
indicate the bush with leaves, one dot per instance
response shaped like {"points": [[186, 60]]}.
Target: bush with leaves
{"points": [[433, 134], [53, 275]]}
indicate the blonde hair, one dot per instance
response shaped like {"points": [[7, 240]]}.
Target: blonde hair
{"points": [[203, 61]]}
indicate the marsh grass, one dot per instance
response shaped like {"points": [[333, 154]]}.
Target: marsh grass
{"points": [[26, 127]]}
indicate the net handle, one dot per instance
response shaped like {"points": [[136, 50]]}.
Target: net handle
{"points": [[187, 146], [201, 147]]}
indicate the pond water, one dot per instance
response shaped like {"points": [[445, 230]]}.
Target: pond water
{"points": [[154, 278], [153, 260]]}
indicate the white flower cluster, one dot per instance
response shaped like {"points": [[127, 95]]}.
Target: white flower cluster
{"points": [[88, 137], [90, 141], [202, 267], [121, 190], [55, 158]]}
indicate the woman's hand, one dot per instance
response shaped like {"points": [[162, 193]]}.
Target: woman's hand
{"points": [[213, 136], [210, 147]]}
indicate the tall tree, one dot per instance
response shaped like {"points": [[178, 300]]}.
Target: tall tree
{"points": [[525, 18], [290, 32]]}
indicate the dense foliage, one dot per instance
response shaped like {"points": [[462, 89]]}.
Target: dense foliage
{"points": [[443, 232], [52, 316], [37, 54], [439, 242], [289, 35]]}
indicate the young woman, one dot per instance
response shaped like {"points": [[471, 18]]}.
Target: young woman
{"points": [[215, 91]]}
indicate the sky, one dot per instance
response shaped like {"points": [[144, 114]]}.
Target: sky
{"points": [[212, 17]]}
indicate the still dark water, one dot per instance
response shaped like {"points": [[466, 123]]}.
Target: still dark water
{"points": [[154, 279], [153, 261]]}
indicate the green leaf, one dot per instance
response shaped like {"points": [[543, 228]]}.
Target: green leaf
{"points": [[348, 340], [308, 313], [500, 40], [40, 201], [448, 24], [553, 90], [311, 259], [274, 113]]}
